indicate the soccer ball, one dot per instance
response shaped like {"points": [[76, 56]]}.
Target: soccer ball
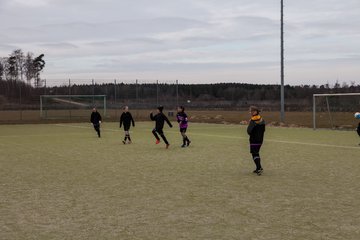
{"points": [[357, 115], [189, 101]]}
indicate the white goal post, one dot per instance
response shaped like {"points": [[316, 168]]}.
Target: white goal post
{"points": [[315, 96], [70, 106]]}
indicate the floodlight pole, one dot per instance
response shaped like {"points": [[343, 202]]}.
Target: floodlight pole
{"points": [[282, 91], [177, 92], [137, 91]]}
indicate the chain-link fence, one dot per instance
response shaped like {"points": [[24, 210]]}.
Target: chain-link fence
{"points": [[72, 99], [21, 102]]}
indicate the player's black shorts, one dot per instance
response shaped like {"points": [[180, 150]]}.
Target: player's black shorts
{"points": [[183, 130], [255, 148], [126, 127]]}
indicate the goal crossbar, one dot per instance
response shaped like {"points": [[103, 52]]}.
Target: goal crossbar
{"points": [[335, 94], [71, 96], [69, 100]]}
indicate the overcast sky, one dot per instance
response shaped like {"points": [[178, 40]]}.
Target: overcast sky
{"points": [[195, 41]]}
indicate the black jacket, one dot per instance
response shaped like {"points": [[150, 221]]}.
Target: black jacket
{"points": [[256, 129], [160, 118], [95, 117], [358, 129], [126, 119]]}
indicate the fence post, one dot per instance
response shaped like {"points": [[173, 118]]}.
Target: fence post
{"points": [[70, 98], [41, 107], [115, 98], [157, 92], [21, 117], [136, 91], [93, 92], [177, 92], [69, 86], [314, 112], [329, 112]]}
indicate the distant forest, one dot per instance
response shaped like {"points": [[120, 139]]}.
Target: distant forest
{"points": [[21, 86], [200, 96]]}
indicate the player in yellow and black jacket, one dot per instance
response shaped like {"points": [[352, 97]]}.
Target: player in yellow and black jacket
{"points": [[256, 130]]}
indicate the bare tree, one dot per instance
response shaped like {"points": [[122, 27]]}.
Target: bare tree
{"points": [[20, 59], [39, 64], [11, 69], [2, 69], [29, 67]]}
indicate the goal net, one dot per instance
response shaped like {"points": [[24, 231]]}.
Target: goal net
{"points": [[71, 106], [336, 110]]}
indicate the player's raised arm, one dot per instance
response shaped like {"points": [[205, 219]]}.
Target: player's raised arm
{"points": [[152, 116], [167, 121], [132, 120]]}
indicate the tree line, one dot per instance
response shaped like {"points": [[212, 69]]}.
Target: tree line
{"points": [[221, 95], [20, 81], [19, 66]]}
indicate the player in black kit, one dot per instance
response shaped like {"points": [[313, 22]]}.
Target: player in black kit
{"points": [[126, 120], [160, 119], [95, 119]]}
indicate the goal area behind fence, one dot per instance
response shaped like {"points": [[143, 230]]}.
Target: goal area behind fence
{"points": [[70, 106], [335, 108]]}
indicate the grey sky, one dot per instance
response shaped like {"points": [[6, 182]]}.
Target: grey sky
{"points": [[190, 40]]}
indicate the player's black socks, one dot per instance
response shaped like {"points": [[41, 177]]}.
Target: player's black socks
{"points": [[164, 138], [155, 134], [128, 137], [257, 161]]}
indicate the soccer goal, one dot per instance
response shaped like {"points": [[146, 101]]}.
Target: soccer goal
{"points": [[70, 106], [335, 110]]}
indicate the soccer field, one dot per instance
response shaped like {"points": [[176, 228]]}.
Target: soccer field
{"points": [[60, 181]]}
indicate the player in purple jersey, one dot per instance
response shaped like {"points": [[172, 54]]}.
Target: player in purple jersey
{"points": [[358, 130], [182, 119]]}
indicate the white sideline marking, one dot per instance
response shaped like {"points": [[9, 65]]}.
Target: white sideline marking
{"points": [[238, 137]]}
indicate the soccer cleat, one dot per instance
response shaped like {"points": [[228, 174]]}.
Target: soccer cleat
{"points": [[258, 171], [167, 146], [157, 142], [183, 145], [123, 142]]}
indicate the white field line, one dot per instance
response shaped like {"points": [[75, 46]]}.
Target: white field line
{"points": [[238, 137]]}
